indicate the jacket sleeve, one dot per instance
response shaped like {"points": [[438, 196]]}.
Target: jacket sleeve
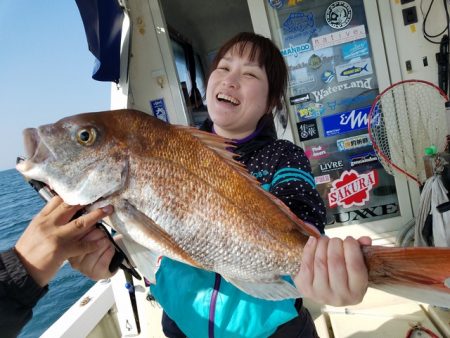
{"points": [[19, 293], [293, 183]]}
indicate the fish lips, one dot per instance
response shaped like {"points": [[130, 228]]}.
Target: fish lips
{"points": [[35, 149]]}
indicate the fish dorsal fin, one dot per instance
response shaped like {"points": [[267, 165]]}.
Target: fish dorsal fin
{"points": [[222, 147]]}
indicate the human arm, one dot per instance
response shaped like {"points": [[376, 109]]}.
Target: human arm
{"points": [[333, 271], [26, 269]]}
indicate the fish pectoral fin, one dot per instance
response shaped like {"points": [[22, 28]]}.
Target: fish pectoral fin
{"points": [[144, 259], [276, 289], [155, 233]]}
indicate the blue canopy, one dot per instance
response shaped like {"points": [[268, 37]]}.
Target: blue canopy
{"points": [[102, 20]]}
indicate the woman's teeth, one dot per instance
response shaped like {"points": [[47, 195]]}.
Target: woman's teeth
{"points": [[227, 98]]}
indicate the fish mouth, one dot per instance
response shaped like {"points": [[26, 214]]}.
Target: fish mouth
{"points": [[35, 150]]}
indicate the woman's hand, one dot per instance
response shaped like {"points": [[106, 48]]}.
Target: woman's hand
{"points": [[52, 237], [333, 271]]}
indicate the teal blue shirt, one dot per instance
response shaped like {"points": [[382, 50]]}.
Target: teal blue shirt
{"points": [[185, 292]]}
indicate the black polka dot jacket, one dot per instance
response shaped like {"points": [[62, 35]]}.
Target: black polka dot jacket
{"points": [[283, 169]]}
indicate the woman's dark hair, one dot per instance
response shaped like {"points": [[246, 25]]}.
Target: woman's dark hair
{"points": [[268, 56]]}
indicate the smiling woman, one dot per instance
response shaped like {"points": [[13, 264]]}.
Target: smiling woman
{"points": [[48, 69]]}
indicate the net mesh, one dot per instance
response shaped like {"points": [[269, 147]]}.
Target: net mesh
{"points": [[404, 120]]}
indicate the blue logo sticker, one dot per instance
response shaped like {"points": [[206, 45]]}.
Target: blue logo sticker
{"points": [[277, 4], [345, 122], [355, 49], [299, 22], [295, 50], [159, 109], [327, 76]]}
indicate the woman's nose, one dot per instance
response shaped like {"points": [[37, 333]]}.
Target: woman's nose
{"points": [[231, 80]]}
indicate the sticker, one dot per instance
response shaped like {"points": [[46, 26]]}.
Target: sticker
{"points": [[159, 109], [299, 22], [323, 93], [309, 111], [295, 50], [327, 76], [277, 4], [307, 130], [299, 99], [346, 122], [337, 38], [357, 100], [353, 142], [363, 159], [331, 166], [315, 61], [316, 152], [352, 189], [293, 2], [370, 212], [338, 15], [355, 49], [301, 80], [353, 70], [322, 179]]}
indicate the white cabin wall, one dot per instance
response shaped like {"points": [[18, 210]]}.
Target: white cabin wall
{"points": [[146, 65], [412, 45]]}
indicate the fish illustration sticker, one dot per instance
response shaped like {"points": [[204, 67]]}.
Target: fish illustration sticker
{"points": [[352, 189], [353, 70], [338, 15]]}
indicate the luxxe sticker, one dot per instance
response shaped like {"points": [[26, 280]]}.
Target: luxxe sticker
{"points": [[352, 189], [345, 122]]}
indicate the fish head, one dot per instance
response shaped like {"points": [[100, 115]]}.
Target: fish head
{"points": [[81, 157]]}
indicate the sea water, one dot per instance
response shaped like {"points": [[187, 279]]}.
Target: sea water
{"points": [[18, 204]]}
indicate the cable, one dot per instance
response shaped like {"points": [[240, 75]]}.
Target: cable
{"points": [[427, 36]]}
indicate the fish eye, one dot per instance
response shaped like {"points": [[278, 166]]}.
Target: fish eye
{"points": [[86, 136]]}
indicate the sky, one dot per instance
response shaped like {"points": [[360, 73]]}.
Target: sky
{"points": [[45, 70]]}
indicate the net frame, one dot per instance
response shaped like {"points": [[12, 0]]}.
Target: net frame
{"points": [[404, 119]]}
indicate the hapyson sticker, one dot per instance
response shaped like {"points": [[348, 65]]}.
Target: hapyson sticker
{"points": [[339, 14], [346, 122], [352, 189]]}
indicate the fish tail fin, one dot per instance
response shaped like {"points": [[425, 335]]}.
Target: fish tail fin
{"points": [[421, 274]]}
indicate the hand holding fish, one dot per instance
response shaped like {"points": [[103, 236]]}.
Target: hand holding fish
{"points": [[52, 237], [333, 271]]}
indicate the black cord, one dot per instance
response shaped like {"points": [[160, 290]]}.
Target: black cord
{"points": [[427, 36]]}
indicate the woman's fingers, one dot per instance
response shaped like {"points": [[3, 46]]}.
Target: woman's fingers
{"points": [[356, 269]]}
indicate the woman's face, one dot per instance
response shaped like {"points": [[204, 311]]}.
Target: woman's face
{"points": [[237, 94]]}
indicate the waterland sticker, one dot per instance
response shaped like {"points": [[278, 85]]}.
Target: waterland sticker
{"points": [[339, 14], [159, 109], [337, 38], [307, 130], [353, 142], [345, 122], [323, 93], [355, 49], [353, 70], [352, 189]]}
